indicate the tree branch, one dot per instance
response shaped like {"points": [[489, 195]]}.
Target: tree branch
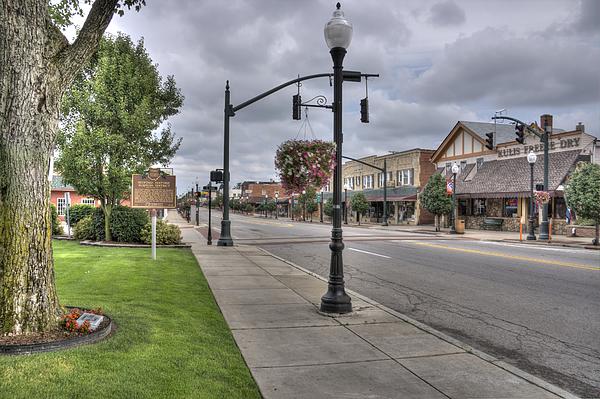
{"points": [[72, 58]]}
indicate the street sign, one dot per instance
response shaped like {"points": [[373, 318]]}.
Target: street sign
{"points": [[153, 190]]}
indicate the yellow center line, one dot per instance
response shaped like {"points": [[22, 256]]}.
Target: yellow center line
{"points": [[501, 255]]}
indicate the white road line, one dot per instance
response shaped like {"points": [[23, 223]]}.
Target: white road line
{"points": [[370, 253]]}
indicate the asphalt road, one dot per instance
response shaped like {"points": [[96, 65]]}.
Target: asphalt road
{"points": [[537, 308]]}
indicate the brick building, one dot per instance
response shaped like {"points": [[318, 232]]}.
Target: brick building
{"points": [[408, 172]]}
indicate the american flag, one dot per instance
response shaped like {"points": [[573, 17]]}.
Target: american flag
{"points": [[449, 186]]}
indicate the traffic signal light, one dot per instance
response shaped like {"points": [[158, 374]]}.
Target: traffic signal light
{"points": [[296, 107], [364, 110], [520, 131], [489, 142]]}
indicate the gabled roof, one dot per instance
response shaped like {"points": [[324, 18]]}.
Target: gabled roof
{"points": [[59, 184], [504, 133], [511, 176]]}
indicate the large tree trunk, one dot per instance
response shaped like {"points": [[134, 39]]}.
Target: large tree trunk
{"points": [[36, 65], [596, 241], [29, 110]]}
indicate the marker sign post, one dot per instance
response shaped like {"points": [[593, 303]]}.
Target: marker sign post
{"points": [[153, 190]]}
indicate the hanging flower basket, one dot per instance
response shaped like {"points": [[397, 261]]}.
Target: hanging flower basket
{"points": [[305, 163], [541, 197]]}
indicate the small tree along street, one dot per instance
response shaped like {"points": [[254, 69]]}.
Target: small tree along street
{"points": [[110, 114], [37, 65], [583, 194], [435, 199], [359, 204]]}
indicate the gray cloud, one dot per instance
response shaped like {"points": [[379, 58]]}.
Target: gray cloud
{"points": [[447, 13], [430, 77], [495, 66]]}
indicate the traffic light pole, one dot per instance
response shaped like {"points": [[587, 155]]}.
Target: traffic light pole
{"points": [[544, 225], [230, 110]]}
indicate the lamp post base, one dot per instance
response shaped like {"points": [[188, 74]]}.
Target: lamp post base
{"points": [[530, 231], [544, 231], [225, 238], [336, 300]]}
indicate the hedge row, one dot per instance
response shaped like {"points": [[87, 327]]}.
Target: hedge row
{"points": [[127, 225]]}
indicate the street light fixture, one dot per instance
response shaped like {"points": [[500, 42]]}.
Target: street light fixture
{"points": [[338, 35], [455, 169], [276, 205], [531, 158]]}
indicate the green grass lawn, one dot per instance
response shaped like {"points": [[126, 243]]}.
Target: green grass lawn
{"points": [[171, 339]]}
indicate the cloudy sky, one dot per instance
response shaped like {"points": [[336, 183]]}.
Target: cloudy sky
{"points": [[440, 61]]}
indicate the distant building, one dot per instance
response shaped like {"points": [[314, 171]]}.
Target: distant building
{"points": [[254, 192], [496, 183], [408, 172], [58, 197]]}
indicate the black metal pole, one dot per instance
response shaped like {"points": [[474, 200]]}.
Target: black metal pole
{"points": [[225, 239], [276, 207], [292, 208], [197, 207], [531, 232], [321, 206], [453, 225], [209, 235], [335, 299], [345, 206], [544, 233], [385, 214]]}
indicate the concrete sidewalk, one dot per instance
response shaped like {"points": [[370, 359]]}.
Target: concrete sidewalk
{"points": [[294, 351]]}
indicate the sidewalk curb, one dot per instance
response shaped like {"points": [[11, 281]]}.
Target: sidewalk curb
{"points": [[467, 348]]}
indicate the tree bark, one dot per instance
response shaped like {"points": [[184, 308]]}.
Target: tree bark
{"points": [[597, 239], [36, 65]]}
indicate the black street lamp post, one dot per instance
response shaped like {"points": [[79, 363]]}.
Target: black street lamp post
{"points": [[321, 219], [266, 205], [197, 207], [276, 205], [531, 158], [338, 34], [304, 205], [455, 169], [292, 206], [345, 204]]}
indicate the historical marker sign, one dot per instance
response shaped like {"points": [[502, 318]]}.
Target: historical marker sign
{"points": [[154, 190]]}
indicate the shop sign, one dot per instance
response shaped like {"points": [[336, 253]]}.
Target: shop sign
{"points": [[559, 144]]}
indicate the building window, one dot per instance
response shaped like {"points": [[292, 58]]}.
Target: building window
{"points": [[511, 206], [463, 165], [60, 206], [406, 177], [380, 179], [479, 207], [368, 181], [479, 162], [356, 181], [448, 167], [88, 201]]}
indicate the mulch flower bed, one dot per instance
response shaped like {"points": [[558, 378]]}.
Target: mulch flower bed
{"points": [[67, 334]]}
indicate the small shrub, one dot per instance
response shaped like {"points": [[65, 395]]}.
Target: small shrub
{"points": [[85, 229], [78, 212], [166, 234], [127, 223], [56, 227]]}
